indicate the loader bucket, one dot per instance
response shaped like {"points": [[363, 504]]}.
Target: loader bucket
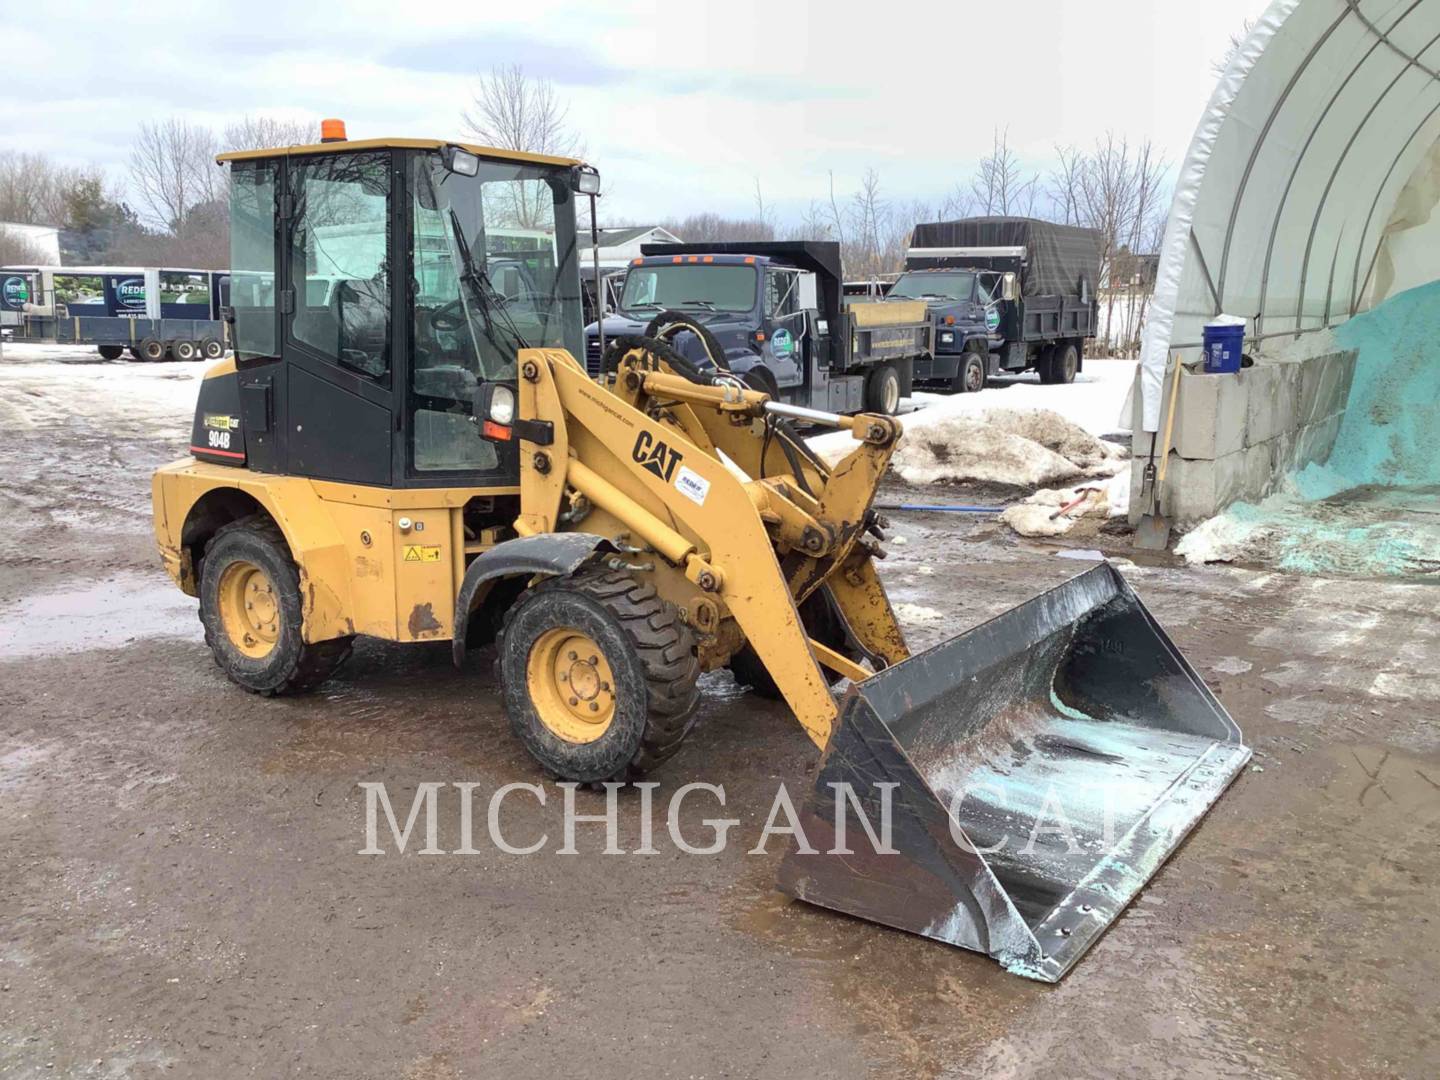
{"points": [[1044, 765]]}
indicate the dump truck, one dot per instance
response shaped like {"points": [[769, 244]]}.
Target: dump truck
{"points": [[399, 457], [773, 313], [1005, 295]]}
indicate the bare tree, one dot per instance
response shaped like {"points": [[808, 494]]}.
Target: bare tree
{"points": [[36, 191], [715, 228], [16, 249], [1064, 185], [1000, 185], [513, 111], [265, 132], [172, 168]]}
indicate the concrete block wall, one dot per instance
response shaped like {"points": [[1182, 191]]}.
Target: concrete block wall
{"points": [[1236, 436]]}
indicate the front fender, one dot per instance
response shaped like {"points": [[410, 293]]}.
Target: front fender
{"points": [[552, 554]]}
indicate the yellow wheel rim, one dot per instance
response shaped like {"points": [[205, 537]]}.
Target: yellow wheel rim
{"points": [[249, 609], [571, 685]]}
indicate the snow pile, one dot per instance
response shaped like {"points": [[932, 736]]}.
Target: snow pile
{"points": [[1002, 446], [1018, 448], [1016, 432], [1040, 514]]}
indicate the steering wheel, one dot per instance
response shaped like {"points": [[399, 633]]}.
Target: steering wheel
{"points": [[448, 317]]}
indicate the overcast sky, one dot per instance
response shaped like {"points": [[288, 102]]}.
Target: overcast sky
{"points": [[683, 106]]}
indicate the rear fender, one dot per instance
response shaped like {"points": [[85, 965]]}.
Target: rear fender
{"points": [[291, 502], [545, 554]]}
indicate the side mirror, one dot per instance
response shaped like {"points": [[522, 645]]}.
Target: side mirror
{"points": [[1009, 287], [585, 180]]}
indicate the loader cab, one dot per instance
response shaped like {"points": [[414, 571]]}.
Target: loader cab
{"points": [[377, 288]]}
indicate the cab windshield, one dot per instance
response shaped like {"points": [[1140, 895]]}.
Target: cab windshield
{"points": [[687, 287], [933, 286], [495, 271]]}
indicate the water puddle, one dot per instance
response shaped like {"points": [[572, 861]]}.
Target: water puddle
{"points": [[96, 615]]}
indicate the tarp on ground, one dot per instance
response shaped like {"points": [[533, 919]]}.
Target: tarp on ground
{"points": [[1309, 188], [1057, 259]]}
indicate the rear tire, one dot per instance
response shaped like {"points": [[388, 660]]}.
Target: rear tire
{"points": [[970, 379], [111, 352], [1060, 364], [598, 675], [212, 348], [151, 349], [252, 612], [184, 351], [882, 391]]}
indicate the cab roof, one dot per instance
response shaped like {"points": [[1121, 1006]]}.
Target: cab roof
{"points": [[344, 146]]}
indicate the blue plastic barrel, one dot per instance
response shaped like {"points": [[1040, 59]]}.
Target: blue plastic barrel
{"points": [[1223, 344]]}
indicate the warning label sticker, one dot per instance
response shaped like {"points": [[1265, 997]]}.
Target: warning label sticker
{"points": [[692, 485], [422, 553]]}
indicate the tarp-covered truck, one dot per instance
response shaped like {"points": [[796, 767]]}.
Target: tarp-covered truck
{"points": [[774, 314], [1006, 294]]}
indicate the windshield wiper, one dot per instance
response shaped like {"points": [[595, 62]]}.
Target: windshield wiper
{"points": [[637, 307], [707, 305], [491, 300]]}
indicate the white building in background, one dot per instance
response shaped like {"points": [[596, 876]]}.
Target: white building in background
{"points": [[45, 239], [618, 246]]}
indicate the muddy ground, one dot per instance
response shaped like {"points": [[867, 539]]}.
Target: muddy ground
{"points": [[182, 893]]}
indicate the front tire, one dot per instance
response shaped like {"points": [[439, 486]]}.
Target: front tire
{"points": [[882, 391], [970, 379], [251, 609], [598, 675]]}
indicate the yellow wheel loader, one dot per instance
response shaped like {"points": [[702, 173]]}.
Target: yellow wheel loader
{"points": [[405, 447]]}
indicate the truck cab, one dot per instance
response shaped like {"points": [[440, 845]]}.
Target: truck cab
{"points": [[966, 311], [760, 309]]}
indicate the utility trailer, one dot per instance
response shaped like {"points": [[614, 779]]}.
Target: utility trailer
{"points": [[776, 315], [153, 313], [1005, 294]]}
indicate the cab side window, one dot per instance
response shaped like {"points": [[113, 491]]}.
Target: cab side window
{"points": [[252, 261], [339, 258], [987, 288], [782, 298]]}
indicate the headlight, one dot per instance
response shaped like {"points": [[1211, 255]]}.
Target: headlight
{"points": [[586, 180], [461, 161], [502, 405], [947, 338]]}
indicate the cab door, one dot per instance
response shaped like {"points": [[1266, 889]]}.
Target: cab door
{"points": [[785, 326], [338, 327]]}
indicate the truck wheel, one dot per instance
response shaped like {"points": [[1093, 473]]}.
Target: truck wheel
{"points": [[970, 379], [184, 350], [152, 349], [598, 676], [212, 348], [882, 391], [761, 380], [251, 609], [1064, 361], [111, 352]]}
